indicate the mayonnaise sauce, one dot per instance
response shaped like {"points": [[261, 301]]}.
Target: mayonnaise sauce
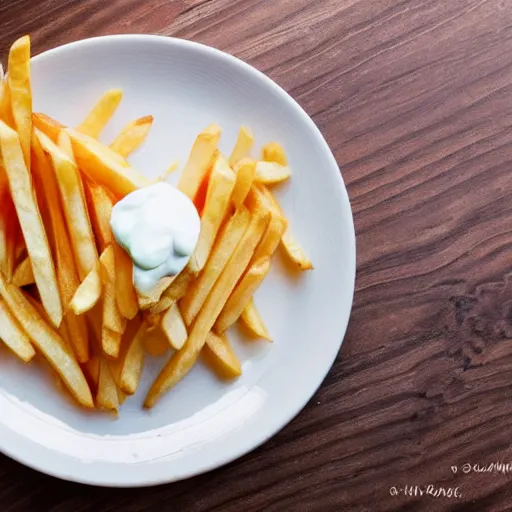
{"points": [[158, 226]]}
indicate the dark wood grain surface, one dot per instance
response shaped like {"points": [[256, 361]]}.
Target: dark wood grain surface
{"points": [[415, 99]]}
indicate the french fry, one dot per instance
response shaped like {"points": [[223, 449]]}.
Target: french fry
{"points": [[270, 173], [104, 166], [163, 177], [13, 335], [23, 274], [227, 241], [220, 357], [47, 125], [91, 371], [107, 398], [46, 339], [78, 335], [242, 295], [174, 327], [218, 200], [126, 296], [199, 160], [152, 298], [5, 105], [20, 184], [113, 322], [88, 293], [252, 320], [100, 210], [182, 361], [243, 146], [274, 152], [73, 202], [155, 342], [8, 233], [132, 359], [295, 251], [245, 170], [179, 286], [132, 136], [18, 73], [101, 113]]}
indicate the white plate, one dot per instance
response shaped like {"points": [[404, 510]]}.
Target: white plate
{"points": [[202, 423]]}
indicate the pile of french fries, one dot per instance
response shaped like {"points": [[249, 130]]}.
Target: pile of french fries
{"points": [[66, 286]]}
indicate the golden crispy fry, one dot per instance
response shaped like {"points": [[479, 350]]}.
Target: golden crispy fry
{"points": [[180, 285], [104, 166], [174, 327], [199, 161], [162, 305], [67, 275], [218, 200], [8, 232], [163, 177], [291, 246], [182, 361], [132, 359], [100, 210], [126, 296], [20, 183], [91, 371], [73, 201], [13, 335], [101, 113], [5, 105], [113, 322], [47, 125], [252, 320], [245, 170], [78, 335], [155, 342], [106, 397], [274, 152], [243, 145], [242, 294], [21, 93], [226, 243], [151, 299], [132, 136], [47, 341], [23, 274], [88, 293], [271, 172], [220, 357]]}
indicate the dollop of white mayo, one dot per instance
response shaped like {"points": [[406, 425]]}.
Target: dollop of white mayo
{"points": [[158, 226]]}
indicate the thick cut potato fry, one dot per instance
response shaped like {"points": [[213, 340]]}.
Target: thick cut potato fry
{"points": [[5, 105], [271, 172], [295, 251], [126, 295], [47, 125], [67, 275], [199, 160], [132, 136], [132, 359], [180, 285], [274, 152], [101, 113], [218, 201], [245, 170], [228, 239], [100, 211], [78, 335], [9, 232], [13, 335], [220, 357], [92, 372], [104, 166], [242, 294], [113, 322], [243, 145], [23, 274], [155, 342], [106, 397], [174, 327], [46, 339], [73, 201], [162, 305], [18, 73], [182, 361], [252, 320], [88, 293], [20, 184]]}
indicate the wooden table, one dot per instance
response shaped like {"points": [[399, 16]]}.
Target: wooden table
{"points": [[415, 99]]}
